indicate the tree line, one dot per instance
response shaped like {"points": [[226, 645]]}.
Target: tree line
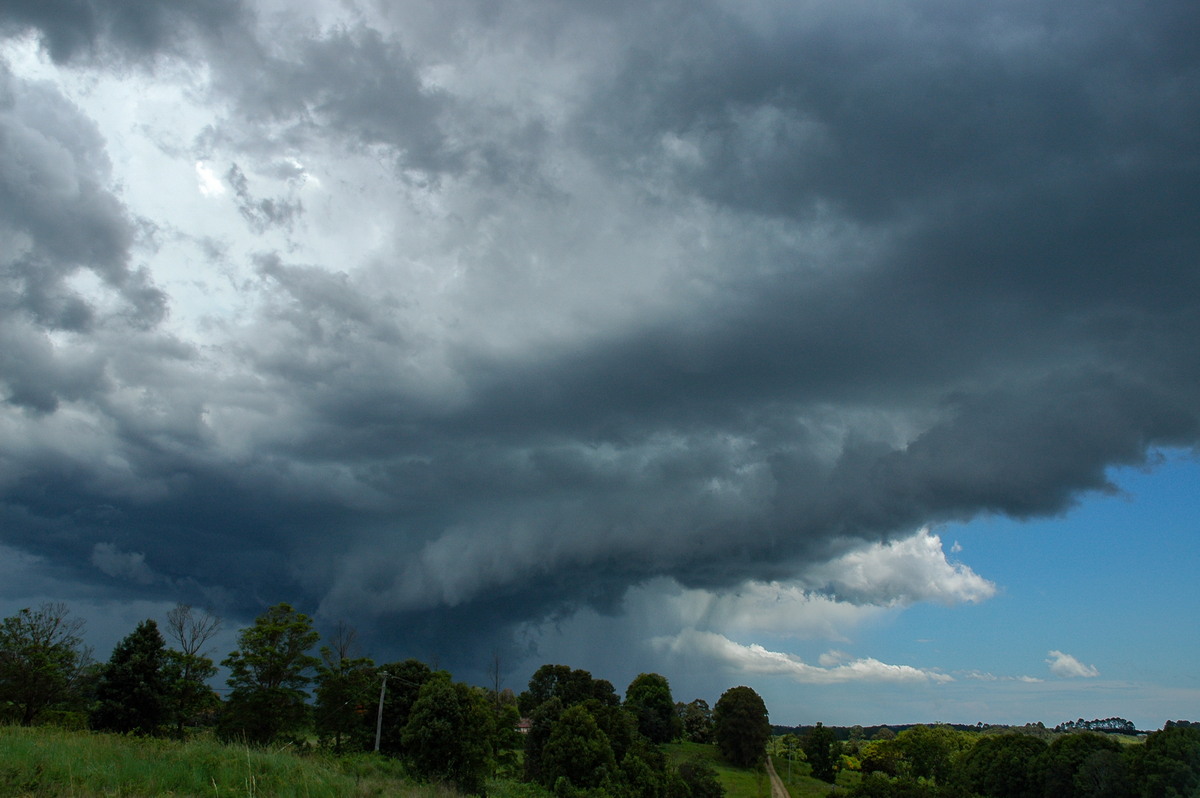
{"points": [[580, 738], [1019, 762]]}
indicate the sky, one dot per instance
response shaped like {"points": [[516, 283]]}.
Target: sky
{"points": [[846, 350]]}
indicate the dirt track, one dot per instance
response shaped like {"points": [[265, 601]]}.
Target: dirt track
{"points": [[777, 788]]}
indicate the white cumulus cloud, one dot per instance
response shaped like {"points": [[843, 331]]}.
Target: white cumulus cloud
{"points": [[901, 572], [1068, 667], [756, 659]]}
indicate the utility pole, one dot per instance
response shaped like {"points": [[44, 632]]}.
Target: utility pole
{"points": [[379, 714]]}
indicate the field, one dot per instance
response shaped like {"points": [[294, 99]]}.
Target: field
{"points": [[46, 761], [753, 782]]}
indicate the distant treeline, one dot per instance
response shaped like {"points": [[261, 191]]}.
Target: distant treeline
{"points": [[1106, 725]]}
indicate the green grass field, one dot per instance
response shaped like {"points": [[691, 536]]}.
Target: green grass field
{"points": [[753, 782], [46, 761]]}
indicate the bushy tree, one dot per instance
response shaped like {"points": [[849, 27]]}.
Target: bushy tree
{"points": [[1061, 762], [269, 673], [42, 659], [741, 726], [822, 750], [695, 721], [701, 779], [1168, 764], [541, 724], [1004, 766], [446, 739], [928, 751], [648, 698], [577, 751], [131, 694], [404, 682], [569, 686]]}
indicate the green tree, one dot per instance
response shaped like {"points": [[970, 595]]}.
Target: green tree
{"points": [[577, 751], [741, 726], [346, 694], [404, 681], [269, 674], [569, 686], [1167, 765], [1060, 763], [695, 721], [131, 694], [822, 749], [648, 697], [446, 739], [542, 724], [188, 667], [1004, 766], [42, 659], [928, 751], [701, 779]]}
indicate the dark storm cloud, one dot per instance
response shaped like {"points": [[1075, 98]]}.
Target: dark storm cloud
{"points": [[59, 221], [73, 29], [956, 273]]}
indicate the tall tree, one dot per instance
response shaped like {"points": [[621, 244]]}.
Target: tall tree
{"points": [[269, 674], [447, 737], [188, 667], [741, 726], [648, 697], [822, 750], [42, 658], [346, 691], [131, 694], [404, 682]]}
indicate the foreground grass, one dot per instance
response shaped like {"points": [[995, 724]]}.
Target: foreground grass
{"points": [[52, 762]]}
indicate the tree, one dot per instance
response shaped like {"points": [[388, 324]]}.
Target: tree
{"points": [[648, 697], [188, 667], [42, 659], [131, 694], [568, 686], [929, 750], [1004, 766], [269, 674], [404, 682], [446, 739], [346, 690], [701, 779], [1061, 761], [695, 721], [1167, 765], [741, 726], [822, 749], [577, 751]]}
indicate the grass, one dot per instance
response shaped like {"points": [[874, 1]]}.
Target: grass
{"points": [[50, 762], [738, 782], [753, 782]]}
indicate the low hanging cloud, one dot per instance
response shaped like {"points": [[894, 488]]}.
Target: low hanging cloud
{"points": [[756, 660], [730, 298], [1068, 667]]}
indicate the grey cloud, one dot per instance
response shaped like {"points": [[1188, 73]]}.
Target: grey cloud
{"points": [[943, 269], [261, 214], [75, 29]]}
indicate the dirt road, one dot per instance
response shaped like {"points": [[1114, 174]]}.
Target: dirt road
{"points": [[777, 788]]}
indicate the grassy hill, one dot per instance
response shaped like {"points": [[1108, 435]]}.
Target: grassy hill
{"points": [[753, 782]]}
